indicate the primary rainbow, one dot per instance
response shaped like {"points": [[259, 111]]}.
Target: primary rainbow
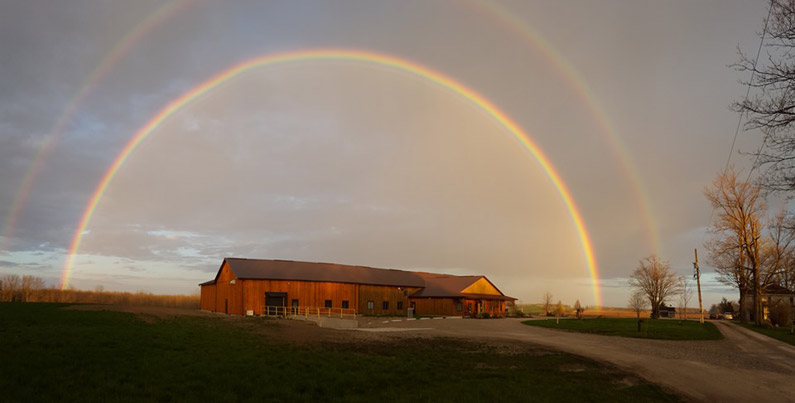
{"points": [[338, 55]]}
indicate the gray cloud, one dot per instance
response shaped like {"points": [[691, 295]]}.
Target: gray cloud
{"points": [[361, 164]]}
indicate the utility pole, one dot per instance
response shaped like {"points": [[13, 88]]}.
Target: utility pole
{"points": [[697, 275]]}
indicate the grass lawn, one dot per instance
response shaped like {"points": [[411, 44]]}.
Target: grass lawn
{"points": [[666, 329], [50, 354], [778, 333]]}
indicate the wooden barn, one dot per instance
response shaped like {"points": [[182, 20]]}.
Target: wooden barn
{"points": [[257, 287]]}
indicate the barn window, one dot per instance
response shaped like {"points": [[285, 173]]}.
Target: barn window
{"points": [[400, 305], [458, 307], [370, 305], [328, 303], [345, 304], [385, 305]]}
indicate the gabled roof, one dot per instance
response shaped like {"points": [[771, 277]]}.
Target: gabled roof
{"points": [[775, 289], [433, 285], [261, 269], [446, 285]]}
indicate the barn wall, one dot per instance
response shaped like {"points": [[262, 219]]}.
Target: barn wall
{"points": [[482, 286], [378, 294], [227, 293], [436, 306], [208, 297], [491, 307], [308, 293]]}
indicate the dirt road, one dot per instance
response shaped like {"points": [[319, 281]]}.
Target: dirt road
{"points": [[743, 367]]}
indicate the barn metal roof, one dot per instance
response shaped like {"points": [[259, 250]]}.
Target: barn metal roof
{"points": [[444, 285], [447, 285], [433, 285], [261, 269]]}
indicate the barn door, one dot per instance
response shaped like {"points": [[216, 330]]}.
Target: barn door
{"points": [[275, 302]]}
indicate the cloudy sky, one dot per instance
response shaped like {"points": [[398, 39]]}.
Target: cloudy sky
{"points": [[358, 163]]}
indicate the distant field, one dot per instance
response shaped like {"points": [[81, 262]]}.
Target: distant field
{"points": [[667, 329], [591, 312], [53, 354]]}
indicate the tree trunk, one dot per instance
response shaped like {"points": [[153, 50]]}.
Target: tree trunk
{"points": [[742, 308]]}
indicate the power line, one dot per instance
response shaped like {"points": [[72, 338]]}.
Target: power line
{"points": [[753, 73], [742, 113]]}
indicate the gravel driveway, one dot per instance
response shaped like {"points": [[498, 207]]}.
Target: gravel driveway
{"points": [[743, 367]]}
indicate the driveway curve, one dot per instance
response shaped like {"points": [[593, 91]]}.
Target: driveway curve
{"points": [[744, 366]]}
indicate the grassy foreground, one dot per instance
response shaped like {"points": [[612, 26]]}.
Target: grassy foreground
{"points": [[666, 329], [778, 333], [50, 354]]}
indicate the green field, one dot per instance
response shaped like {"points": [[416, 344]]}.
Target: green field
{"points": [[778, 333], [666, 329], [52, 354]]}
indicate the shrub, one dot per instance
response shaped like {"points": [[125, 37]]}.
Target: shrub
{"points": [[779, 314]]}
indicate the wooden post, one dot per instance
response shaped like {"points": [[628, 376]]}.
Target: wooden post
{"points": [[698, 283]]}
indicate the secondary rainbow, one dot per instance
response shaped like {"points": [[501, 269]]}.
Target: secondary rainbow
{"points": [[583, 91], [347, 56], [110, 60]]}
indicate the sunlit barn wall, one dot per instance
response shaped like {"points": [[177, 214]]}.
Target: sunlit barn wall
{"points": [[228, 292]]}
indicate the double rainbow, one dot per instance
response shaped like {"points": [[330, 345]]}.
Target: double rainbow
{"points": [[350, 56]]}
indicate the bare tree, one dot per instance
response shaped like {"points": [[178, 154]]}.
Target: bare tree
{"points": [[30, 286], [735, 247], [685, 295], [637, 301], [12, 286], [558, 311], [772, 111], [655, 280], [779, 251], [547, 301], [578, 309]]}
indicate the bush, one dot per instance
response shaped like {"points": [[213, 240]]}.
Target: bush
{"points": [[779, 314]]}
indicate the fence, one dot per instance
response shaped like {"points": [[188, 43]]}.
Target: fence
{"points": [[306, 311]]}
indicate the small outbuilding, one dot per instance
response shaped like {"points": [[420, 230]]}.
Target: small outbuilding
{"points": [[259, 287]]}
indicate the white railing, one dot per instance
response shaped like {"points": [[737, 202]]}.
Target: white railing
{"points": [[306, 311]]}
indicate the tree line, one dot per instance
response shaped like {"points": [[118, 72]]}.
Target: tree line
{"points": [[28, 288], [751, 249]]}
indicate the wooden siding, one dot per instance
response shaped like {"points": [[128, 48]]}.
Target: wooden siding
{"points": [[208, 297], [482, 286], [437, 306], [308, 293], [235, 296], [228, 296], [491, 307], [378, 294]]}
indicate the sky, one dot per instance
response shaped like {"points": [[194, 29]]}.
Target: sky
{"points": [[365, 163]]}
